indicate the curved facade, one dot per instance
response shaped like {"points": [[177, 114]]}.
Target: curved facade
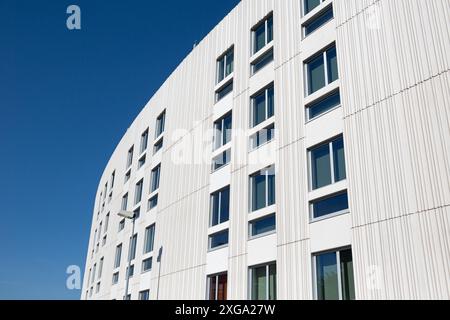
{"points": [[300, 151]]}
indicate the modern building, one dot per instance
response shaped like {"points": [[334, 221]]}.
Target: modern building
{"points": [[300, 151]]}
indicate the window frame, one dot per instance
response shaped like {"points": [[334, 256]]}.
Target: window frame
{"points": [[267, 172], [222, 60], [118, 256], [208, 286], [144, 141], [264, 21], [210, 236], [149, 237], [324, 54], [154, 185], [315, 17], [330, 215], [303, 5], [220, 123], [160, 126], [250, 280], [130, 157], [265, 90], [252, 236], [219, 205], [138, 191], [143, 270]]}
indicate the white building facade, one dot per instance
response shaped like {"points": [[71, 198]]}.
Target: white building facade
{"points": [[300, 151]]}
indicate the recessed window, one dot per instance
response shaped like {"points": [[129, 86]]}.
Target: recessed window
{"points": [[144, 295], [330, 205], [130, 271], [221, 160], [141, 161], [158, 145], [118, 256], [115, 278], [149, 239], [263, 284], [124, 202], [262, 34], [137, 213], [121, 224], [218, 240], [217, 287], [106, 222], [100, 268], [93, 273], [225, 65], [262, 226], [220, 206], [262, 61], [327, 163], [128, 175], [318, 20], [144, 141], [262, 106], [309, 5], [104, 240], [334, 275], [97, 287], [262, 137], [130, 157], [147, 264], [224, 91], [262, 185], [321, 70], [152, 202], [160, 124], [222, 131], [154, 185], [132, 249], [323, 105], [138, 191], [113, 178]]}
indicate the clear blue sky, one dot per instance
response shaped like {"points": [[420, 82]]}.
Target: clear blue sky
{"points": [[66, 98]]}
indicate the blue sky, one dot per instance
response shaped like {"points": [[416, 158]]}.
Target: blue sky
{"points": [[66, 98]]}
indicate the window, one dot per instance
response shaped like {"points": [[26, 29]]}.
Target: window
{"points": [[132, 248], [147, 264], [321, 70], [149, 239], [330, 205], [262, 189], [144, 295], [160, 124], [106, 222], [155, 178], [220, 206], [222, 131], [115, 278], [128, 297], [323, 105], [137, 213], [138, 192], [100, 268], [309, 5], [113, 177], [262, 61], [225, 65], [128, 175], [221, 160], [217, 287], [318, 20], [262, 106], [152, 202], [97, 288], [218, 240], [262, 137], [130, 157], [158, 145], [262, 34], [130, 271], [124, 202], [263, 282], [118, 256], [93, 273], [334, 275], [262, 226], [121, 224], [224, 91], [327, 163], [104, 240], [141, 161], [144, 141]]}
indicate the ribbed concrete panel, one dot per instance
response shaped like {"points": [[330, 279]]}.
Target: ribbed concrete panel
{"points": [[238, 278]]}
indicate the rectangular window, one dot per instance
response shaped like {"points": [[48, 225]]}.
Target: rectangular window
{"points": [[118, 256], [160, 124], [154, 185], [221, 160], [127, 175], [138, 192], [263, 282], [309, 5], [262, 61], [222, 131], [149, 239], [132, 248], [121, 224], [124, 204], [218, 240], [137, 213], [262, 226], [144, 295], [224, 91], [262, 137], [327, 163], [158, 145], [97, 288], [141, 161], [152, 202], [130, 271], [334, 275], [147, 264], [225, 65], [318, 20], [93, 273], [321, 70], [113, 178], [323, 105], [115, 278], [144, 141], [262, 106], [330, 205], [220, 206], [130, 157], [262, 185], [100, 268], [262, 34], [106, 222], [217, 287], [104, 240]]}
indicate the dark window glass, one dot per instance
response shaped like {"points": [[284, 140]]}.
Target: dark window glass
{"points": [[221, 160], [158, 146], [339, 159], [332, 65], [155, 178], [320, 163], [264, 225], [147, 264], [219, 239], [153, 202], [347, 280], [330, 205], [261, 62], [218, 287], [318, 21], [327, 277], [222, 92], [144, 295], [317, 108], [220, 206], [310, 5], [316, 74]]}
